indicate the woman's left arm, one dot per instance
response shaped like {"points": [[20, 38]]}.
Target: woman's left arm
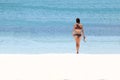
{"points": [[73, 30]]}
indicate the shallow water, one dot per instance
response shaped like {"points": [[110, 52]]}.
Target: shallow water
{"points": [[28, 45], [44, 26]]}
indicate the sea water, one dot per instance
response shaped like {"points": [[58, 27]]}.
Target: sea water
{"points": [[45, 26]]}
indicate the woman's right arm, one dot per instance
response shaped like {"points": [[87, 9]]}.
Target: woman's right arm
{"points": [[83, 34]]}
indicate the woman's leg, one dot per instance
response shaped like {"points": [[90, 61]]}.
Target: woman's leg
{"points": [[78, 44], [77, 39]]}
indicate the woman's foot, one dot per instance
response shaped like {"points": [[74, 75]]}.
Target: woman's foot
{"points": [[77, 52]]}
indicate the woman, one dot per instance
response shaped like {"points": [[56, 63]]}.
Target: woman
{"points": [[78, 32]]}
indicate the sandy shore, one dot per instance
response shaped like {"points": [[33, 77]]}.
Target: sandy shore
{"points": [[60, 67]]}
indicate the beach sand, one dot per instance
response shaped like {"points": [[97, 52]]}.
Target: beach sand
{"points": [[60, 67]]}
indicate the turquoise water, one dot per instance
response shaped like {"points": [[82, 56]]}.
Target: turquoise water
{"points": [[40, 45], [44, 26]]}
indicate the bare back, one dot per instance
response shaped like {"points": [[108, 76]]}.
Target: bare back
{"points": [[78, 28]]}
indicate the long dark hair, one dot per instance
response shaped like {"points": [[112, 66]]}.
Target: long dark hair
{"points": [[77, 20]]}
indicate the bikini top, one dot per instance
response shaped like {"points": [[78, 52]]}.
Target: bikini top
{"points": [[78, 26]]}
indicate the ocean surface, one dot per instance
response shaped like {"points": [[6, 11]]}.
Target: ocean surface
{"points": [[45, 26]]}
